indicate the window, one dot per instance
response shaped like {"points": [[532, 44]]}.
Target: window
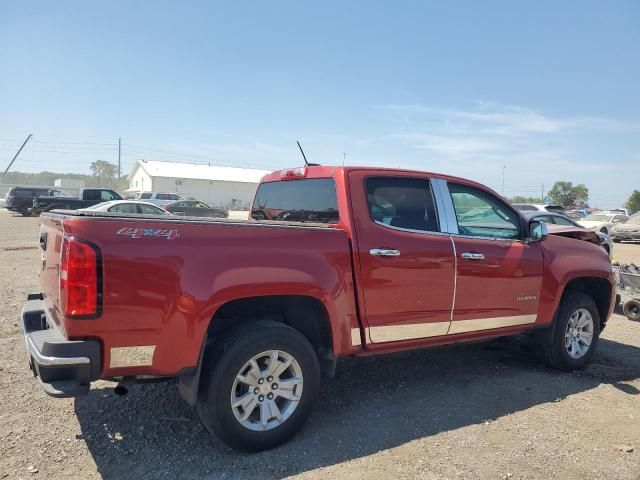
{"points": [[124, 208], [620, 219], [480, 214], [523, 207], [146, 195], [545, 218], [402, 202], [200, 205], [149, 210], [563, 221], [91, 195], [167, 196], [309, 200], [107, 195]]}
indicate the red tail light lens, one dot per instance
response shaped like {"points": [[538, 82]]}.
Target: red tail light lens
{"points": [[78, 278]]}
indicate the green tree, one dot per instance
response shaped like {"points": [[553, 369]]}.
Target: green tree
{"points": [[568, 195], [104, 174], [633, 204], [523, 199]]}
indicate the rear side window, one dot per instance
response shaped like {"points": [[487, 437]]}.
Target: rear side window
{"points": [[124, 208], [402, 202], [146, 195], [167, 196], [309, 200]]}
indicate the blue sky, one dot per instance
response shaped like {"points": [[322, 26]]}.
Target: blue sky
{"points": [[549, 89]]}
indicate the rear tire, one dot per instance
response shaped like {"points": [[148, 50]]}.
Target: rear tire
{"points": [[631, 309], [577, 322], [237, 379]]}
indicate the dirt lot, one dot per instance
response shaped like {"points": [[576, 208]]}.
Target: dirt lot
{"points": [[480, 411]]}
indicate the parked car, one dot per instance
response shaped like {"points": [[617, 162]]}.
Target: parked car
{"points": [[159, 198], [538, 207], [557, 219], [20, 199], [87, 198], [602, 221], [127, 206], [629, 230], [194, 208], [250, 315]]}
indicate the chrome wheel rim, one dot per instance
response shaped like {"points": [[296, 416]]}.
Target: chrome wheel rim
{"points": [[267, 390], [579, 333]]}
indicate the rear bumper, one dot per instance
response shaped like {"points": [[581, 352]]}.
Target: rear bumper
{"points": [[64, 368]]}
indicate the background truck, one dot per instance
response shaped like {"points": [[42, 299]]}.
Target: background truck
{"points": [[20, 199], [249, 315], [87, 198]]}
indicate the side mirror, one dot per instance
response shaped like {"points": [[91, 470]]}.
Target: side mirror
{"points": [[537, 231]]}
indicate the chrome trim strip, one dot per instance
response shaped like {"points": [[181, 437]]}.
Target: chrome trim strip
{"points": [[53, 361], [462, 326], [393, 333], [355, 337], [494, 239]]}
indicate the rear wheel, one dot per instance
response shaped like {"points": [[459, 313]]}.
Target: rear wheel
{"points": [[259, 386], [577, 329], [631, 309]]}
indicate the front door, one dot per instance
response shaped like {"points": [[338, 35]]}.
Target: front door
{"points": [[499, 275], [406, 266]]}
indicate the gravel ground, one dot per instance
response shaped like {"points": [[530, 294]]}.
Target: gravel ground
{"points": [[480, 411]]}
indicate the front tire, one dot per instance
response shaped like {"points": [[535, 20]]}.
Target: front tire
{"points": [[576, 333], [259, 386]]}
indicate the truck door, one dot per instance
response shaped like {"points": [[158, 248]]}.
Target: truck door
{"points": [[499, 275], [406, 265]]}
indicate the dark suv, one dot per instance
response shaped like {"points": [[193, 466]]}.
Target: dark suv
{"points": [[20, 199]]}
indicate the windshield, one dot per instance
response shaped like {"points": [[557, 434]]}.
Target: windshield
{"points": [[598, 218], [635, 220]]}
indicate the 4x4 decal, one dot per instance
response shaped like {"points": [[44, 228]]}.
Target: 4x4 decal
{"points": [[149, 232]]}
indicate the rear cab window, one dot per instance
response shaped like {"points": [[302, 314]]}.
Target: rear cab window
{"points": [[304, 200]]}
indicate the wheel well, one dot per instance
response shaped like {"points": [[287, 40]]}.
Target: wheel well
{"points": [[597, 288], [305, 314]]}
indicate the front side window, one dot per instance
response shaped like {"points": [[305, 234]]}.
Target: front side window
{"points": [[563, 221], [480, 214], [402, 202], [149, 210], [308, 200]]}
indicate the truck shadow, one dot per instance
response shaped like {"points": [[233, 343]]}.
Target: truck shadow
{"points": [[373, 404]]}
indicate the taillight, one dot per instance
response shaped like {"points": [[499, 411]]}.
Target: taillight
{"points": [[79, 279], [293, 173]]}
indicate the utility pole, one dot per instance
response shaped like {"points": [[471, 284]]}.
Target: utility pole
{"points": [[16, 155], [344, 157], [504, 167], [119, 154], [542, 194]]}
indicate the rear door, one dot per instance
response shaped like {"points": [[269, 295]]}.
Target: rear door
{"points": [[499, 274], [406, 263]]}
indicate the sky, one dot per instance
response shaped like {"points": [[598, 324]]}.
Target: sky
{"points": [[538, 91]]}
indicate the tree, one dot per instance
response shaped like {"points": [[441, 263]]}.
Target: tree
{"points": [[633, 204], [104, 173], [522, 199], [565, 194]]}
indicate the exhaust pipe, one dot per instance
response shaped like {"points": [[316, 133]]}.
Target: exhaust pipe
{"points": [[123, 386]]}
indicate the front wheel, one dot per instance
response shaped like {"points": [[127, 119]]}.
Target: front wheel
{"points": [[259, 386], [577, 329]]}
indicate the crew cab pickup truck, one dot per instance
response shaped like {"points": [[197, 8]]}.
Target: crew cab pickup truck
{"points": [[88, 197], [249, 315]]}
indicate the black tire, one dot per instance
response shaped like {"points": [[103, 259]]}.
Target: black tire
{"points": [[223, 362], [555, 353], [631, 309]]}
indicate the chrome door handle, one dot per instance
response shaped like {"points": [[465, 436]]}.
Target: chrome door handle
{"points": [[472, 256], [384, 252]]}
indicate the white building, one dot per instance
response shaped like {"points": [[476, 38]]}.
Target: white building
{"points": [[218, 186]]}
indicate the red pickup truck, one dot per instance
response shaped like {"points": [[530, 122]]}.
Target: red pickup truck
{"points": [[249, 315]]}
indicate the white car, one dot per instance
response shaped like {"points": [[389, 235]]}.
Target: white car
{"points": [[602, 221], [127, 206], [159, 198]]}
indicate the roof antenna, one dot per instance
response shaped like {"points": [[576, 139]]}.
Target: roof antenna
{"points": [[305, 157]]}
